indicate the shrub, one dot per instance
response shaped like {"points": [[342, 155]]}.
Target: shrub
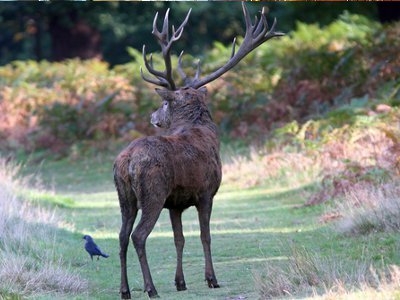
{"points": [[53, 105], [299, 77]]}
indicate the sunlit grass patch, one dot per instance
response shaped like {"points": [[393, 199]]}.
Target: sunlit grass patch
{"points": [[47, 198]]}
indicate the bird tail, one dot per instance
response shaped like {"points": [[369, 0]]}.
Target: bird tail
{"points": [[105, 255]]}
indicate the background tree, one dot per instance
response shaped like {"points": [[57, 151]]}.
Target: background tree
{"points": [[60, 30]]}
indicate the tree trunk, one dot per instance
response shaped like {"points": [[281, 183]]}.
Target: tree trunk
{"points": [[76, 39]]}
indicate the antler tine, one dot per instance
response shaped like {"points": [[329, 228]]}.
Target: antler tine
{"points": [[246, 18], [273, 26], [261, 24], [180, 70], [151, 60], [255, 35], [149, 66], [165, 77], [160, 82], [233, 47], [259, 34], [164, 32], [155, 30], [255, 22], [272, 33], [198, 71], [184, 21], [176, 35], [152, 66]]}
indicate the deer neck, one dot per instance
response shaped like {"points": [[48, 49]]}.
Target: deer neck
{"points": [[192, 118]]}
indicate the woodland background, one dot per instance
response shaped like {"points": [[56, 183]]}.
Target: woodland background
{"points": [[310, 143], [70, 74]]}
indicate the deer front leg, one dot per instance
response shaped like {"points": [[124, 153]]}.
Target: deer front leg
{"points": [[179, 239], [148, 220], [204, 210]]}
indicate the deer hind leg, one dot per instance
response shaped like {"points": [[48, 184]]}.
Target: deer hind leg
{"points": [[179, 239], [127, 200], [126, 229], [150, 214], [204, 210]]}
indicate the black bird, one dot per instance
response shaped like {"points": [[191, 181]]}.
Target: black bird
{"points": [[92, 248]]}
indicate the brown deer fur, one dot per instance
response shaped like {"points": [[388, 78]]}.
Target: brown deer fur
{"points": [[174, 171], [181, 168]]}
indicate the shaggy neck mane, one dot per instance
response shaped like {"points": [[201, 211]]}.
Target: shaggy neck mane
{"points": [[191, 114]]}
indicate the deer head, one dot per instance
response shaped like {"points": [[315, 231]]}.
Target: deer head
{"points": [[172, 95], [185, 104]]}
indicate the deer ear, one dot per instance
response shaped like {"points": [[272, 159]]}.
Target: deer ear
{"points": [[203, 90], [165, 94]]}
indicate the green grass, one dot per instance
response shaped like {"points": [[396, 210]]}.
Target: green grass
{"points": [[250, 227], [48, 199]]}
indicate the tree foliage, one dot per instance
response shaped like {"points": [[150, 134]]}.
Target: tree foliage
{"points": [[299, 77], [34, 31]]}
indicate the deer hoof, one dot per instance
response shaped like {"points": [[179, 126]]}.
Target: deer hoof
{"points": [[212, 283], [152, 294], [180, 285], [125, 295]]}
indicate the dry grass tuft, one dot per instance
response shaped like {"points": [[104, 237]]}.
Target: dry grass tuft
{"points": [[306, 273], [384, 286], [25, 275], [370, 208], [28, 267]]}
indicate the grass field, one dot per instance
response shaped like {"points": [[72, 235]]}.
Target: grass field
{"points": [[251, 228]]}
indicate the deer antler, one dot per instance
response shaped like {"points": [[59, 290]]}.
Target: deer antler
{"points": [[256, 34], [164, 78]]}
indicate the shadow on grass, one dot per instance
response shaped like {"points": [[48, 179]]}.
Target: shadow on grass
{"points": [[247, 229], [235, 256]]}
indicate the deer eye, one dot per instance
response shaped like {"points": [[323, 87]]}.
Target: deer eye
{"points": [[165, 103]]}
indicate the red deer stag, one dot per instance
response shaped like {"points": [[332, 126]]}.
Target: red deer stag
{"points": [[181, 168]]}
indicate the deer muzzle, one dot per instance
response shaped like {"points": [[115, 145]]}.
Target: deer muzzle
{"points": [[155, 121]]}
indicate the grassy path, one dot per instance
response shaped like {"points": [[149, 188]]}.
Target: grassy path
{"points": [[249, 227]]}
